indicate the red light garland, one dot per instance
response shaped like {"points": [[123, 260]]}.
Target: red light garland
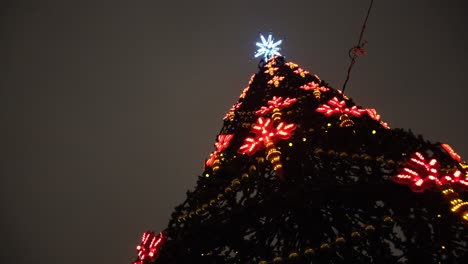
{"points": [[266, 135], [221, 145], [148, 250]]}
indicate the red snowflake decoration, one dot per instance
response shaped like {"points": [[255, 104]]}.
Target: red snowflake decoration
{"points": [[148, 250], [315, 87], [231, 113], [276, 103], [421, 175], [291, 65], [271, 70], [373, 114], [301, 72], [276, 80], [221, 145], [266, 135], [335, 107]]}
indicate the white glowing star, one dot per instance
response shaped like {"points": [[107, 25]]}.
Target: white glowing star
{"points": [[268, 48]]}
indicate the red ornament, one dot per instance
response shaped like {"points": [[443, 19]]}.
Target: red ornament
{"points": [[266, 135], [421, 175], [221, 145], [276, 103], [148, 250], [373, 114]]}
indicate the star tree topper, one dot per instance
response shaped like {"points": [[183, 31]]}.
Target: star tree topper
{"points": [[268, 48]]}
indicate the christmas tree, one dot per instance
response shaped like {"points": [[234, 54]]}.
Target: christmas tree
{"points": [[302, 174]]}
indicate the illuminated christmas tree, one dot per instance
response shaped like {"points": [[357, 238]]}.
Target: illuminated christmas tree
{"points": [[302, 174]]}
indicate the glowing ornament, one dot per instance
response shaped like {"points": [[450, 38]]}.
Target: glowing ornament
{"points": [[291, 65], [421, 175], [316, 88], [148, 250], [268, 48], [232, 112], [271, 70], [301, 72], [335, 107], [373, 114], [275, 105], [221, 145], [276, 80], [266, 135]]}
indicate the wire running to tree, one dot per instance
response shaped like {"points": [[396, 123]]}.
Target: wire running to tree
{"points": [[358, 50]]}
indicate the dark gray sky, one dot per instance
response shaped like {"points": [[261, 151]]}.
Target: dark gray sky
{"points": [[109, 108]]}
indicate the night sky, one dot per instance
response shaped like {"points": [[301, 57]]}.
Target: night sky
{"points": [[109, 108]]}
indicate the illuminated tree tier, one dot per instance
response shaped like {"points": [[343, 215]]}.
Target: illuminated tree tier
{"points": [[301, 174]]}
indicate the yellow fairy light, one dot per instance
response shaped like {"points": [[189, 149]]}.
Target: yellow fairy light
{"points": [[373, 132], [317, 93], [304, 139], [458, 206], [345, 121], [276, 114], [290, 144]]}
